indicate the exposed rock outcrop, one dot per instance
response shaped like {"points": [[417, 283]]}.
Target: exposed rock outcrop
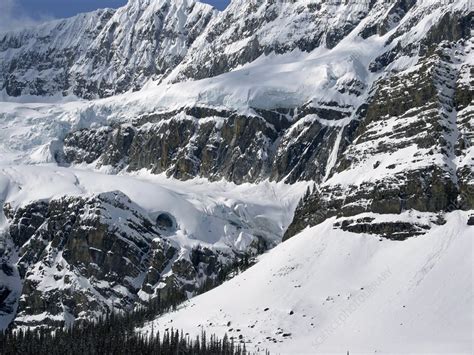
{"points": [[414, 136], [82, 256], [214, 144]]}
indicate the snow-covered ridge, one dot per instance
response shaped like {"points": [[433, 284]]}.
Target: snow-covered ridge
{"points": [[247, 29], [114, 51], [101, 53]]}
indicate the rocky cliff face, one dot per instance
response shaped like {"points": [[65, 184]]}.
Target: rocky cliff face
{"points": [[38, 61], [79, 257], [212, 144], [413, 148]]}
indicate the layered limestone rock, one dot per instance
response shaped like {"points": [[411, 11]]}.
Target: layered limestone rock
{"points": [[411, 151], [393, 229], [287, 145]]}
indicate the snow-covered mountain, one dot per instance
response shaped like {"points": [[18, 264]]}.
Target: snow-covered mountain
{"points": [[246, 126], [83, 242], [249, 28], [101, 53]]}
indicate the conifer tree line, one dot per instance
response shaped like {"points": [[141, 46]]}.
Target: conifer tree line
{"points": [[105, 337], [115, 334]]}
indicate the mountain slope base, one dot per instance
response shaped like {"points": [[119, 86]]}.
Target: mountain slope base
{"points": [[331, 291]]}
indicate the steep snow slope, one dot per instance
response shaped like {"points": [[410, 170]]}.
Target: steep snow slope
{"points": [[143, 40], [247, 29], [332, 291], [37, 62]]}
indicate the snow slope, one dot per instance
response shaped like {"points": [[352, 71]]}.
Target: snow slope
{"points": [[326, 290]]}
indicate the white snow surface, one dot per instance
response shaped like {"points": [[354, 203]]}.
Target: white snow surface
{"points": [[330, 291]]}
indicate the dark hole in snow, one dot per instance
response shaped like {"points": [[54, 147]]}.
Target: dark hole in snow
{"points": [[291, 313], [266, 309], [166, 221]]}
